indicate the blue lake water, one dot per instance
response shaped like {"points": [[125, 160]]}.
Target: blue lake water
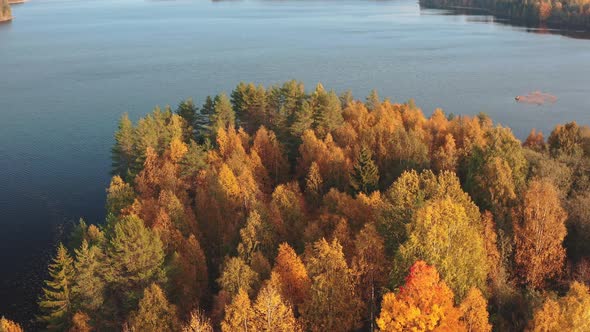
{"points": [[70, 68]]}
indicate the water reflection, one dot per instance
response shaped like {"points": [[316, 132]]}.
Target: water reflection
{"points": [[479, 15]]}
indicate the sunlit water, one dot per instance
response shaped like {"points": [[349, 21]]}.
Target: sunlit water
{"points": [[69, 69]]}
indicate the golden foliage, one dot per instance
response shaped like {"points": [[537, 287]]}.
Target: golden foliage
{"points": [[474, 313], [424, 303], [539, 230], [568, 313]]}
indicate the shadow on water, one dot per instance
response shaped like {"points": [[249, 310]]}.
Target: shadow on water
{"points": [[481, 15]]}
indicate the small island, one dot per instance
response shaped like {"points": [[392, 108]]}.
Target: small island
{"points": [[561, 14], [5, 12]]}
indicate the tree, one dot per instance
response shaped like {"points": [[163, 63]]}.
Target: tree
{"points": [[535, 141], [327, 110], [56, 301], [88, 284], [292, 274], [365, 174], [122, 152], [155, 313], [539, 231], [474, 313], [223, 115], [332, 304], [119, 196], [135, 258], [303, 120], [9, 326], [424, 303], [80, 323], [439, 236], [198, 323], [270, 311], [373, 102], [188, 111], [249, 103], [239, 315], [251, 235], [565, 140], [369, 264], [270, 151], [568, 313], [236, 276], [314, 183]]}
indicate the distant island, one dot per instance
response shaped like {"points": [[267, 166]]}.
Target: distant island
{"points": [[5, 12], [570, 14]]}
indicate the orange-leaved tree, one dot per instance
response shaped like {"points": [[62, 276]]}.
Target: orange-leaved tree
{"points": [[424, 303]]}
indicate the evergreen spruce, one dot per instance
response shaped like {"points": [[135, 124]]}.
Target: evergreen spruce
{"points": [[55, 303], [122, 151], [88, 288], [365, 174]]}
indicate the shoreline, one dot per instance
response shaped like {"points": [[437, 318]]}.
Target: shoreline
{"points": [[552, 22]]}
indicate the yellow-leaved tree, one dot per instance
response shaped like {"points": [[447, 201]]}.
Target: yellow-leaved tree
{"points": [[568, 313]]}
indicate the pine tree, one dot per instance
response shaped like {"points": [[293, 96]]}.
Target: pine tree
{"points": [[135, 258], [302, 120], [327, 111], [122, 152], [155, 313], [223, 116], [202, 124], [56, 302], [188, 111], [88, 288], [365, 174]]}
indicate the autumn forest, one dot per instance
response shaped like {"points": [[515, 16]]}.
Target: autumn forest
{"points": [[285, 209]]}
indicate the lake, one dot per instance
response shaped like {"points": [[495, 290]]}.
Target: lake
{"points": [[70, 68]]}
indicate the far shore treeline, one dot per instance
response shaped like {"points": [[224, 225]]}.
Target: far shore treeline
{"points": [[282, 209], [564, 14]]}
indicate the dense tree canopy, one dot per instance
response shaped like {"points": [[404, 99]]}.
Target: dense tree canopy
{"points": [[277, 208]]}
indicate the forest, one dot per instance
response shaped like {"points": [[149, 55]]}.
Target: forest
{"points": [[553, 13], [278, 209]]}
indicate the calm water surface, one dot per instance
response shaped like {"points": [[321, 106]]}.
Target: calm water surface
{"points": [[69, 69]]}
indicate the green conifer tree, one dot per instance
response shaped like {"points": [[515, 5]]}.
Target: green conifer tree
{"points": [[55, 302], [88, 288], [135, 258], [188, 111], [122, 152], [365, 174], [155, 313], [223, 115]]}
